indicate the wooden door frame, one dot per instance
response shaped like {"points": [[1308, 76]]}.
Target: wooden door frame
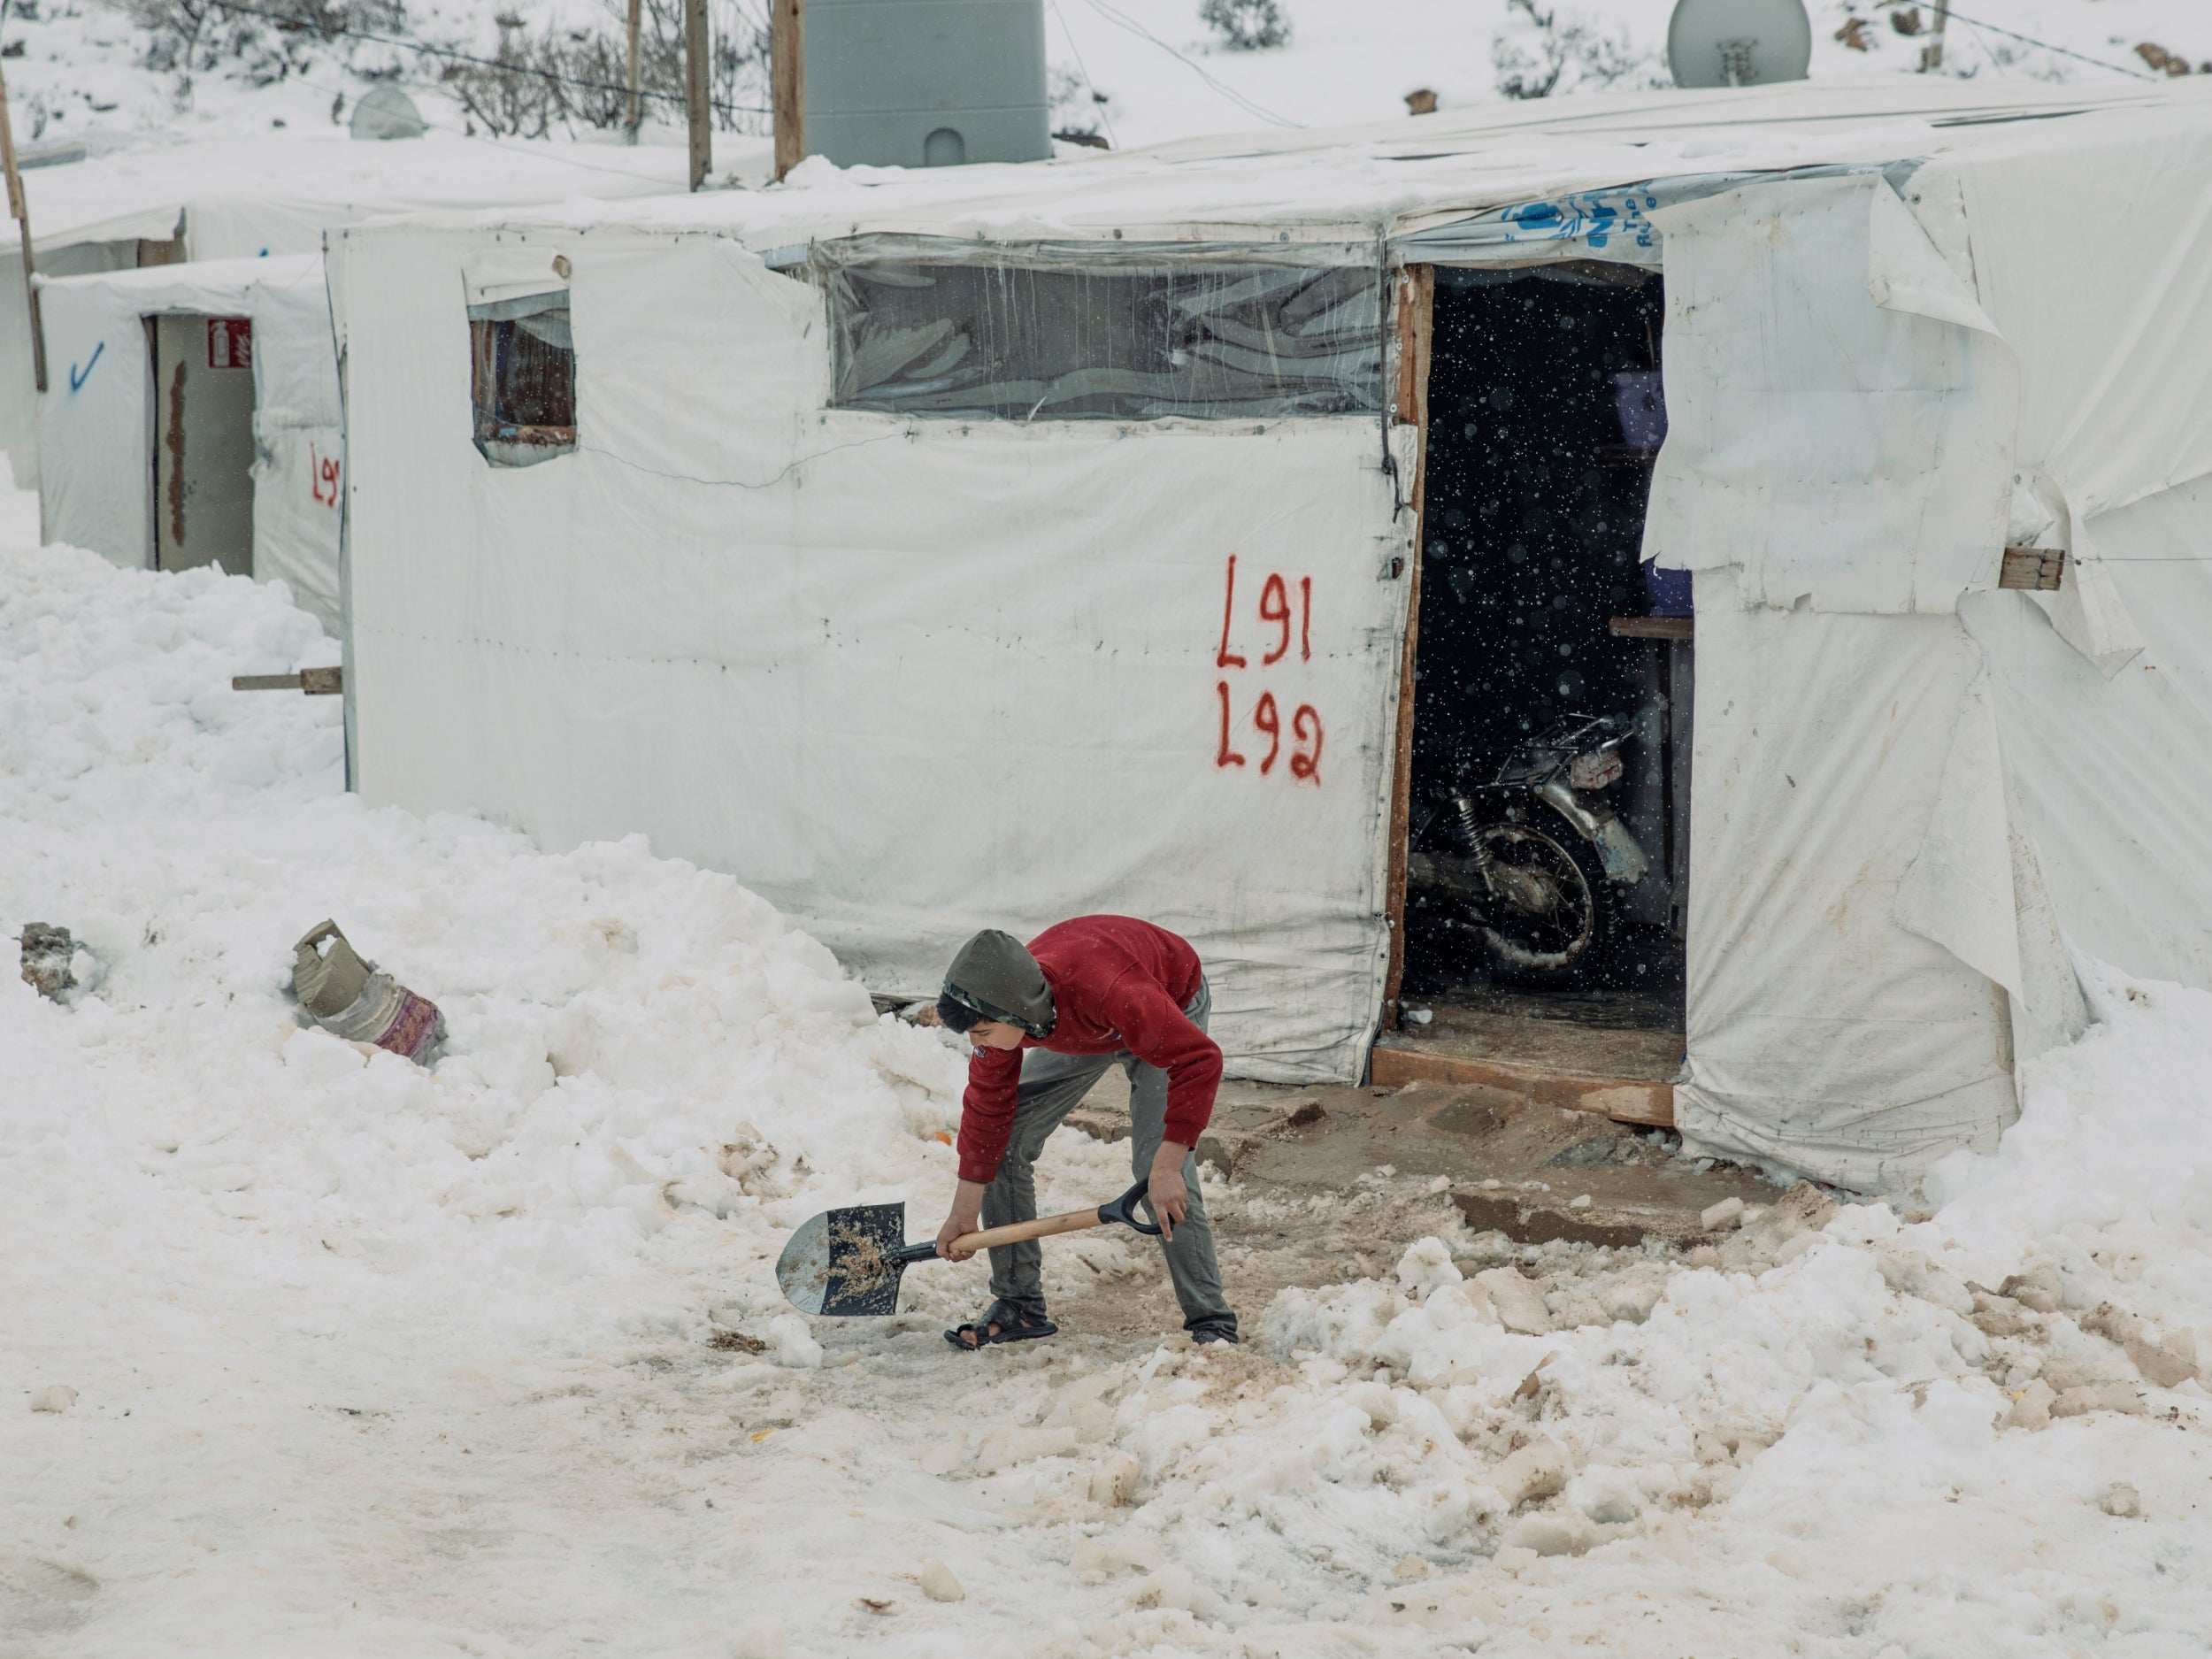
{"points": [[1416, 317], [153, 442]]}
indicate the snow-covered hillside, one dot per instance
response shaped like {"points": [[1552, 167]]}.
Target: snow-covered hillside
{"points": [[305, 1353], [117, 70], [1355, 60]]}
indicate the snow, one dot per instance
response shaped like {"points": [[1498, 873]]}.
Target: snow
{"points": [[255, 196], [310, 1351], [84, 75], [1355, 60]]}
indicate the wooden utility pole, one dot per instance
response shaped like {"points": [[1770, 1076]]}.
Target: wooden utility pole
{"points": [[635, 114], [786, 73], [698, 85], [21, 210], [1932, 54]]}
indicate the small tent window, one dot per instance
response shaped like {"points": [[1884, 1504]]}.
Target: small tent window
{"points": [[1109, 342], [523, 376]]}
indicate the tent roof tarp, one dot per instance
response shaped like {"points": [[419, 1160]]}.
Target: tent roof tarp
{"points": [[1366, 182], [245, 197]]}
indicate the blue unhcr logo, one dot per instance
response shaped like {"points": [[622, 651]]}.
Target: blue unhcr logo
{"points": [[1599, 218]]}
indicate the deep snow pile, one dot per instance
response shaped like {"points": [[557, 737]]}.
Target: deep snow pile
{"points": [[209, 1208], [356, 1358]]}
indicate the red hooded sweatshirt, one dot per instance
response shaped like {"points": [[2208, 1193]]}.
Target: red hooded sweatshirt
{"points": [[1117, 983]]}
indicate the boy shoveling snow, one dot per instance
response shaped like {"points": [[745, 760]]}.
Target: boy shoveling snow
{"points": [[1046, 1020]]}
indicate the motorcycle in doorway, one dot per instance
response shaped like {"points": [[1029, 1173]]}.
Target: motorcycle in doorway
{"points": [[1527, 867]]}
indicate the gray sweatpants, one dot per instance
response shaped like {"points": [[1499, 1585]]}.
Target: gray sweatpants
{"points": [[1052, 1085]]}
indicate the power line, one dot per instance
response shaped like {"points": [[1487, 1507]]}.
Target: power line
{"points": [[319, 26], [1096, 101], [1995, 28], [1123, 20]]}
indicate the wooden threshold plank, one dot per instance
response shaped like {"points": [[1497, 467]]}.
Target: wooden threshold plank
{"points": [[1625, 1100]]}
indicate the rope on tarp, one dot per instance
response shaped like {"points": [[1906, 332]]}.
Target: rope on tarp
{"points": [[1388, 291]]}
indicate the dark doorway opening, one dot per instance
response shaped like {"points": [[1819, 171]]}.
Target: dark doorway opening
{"points": [[1548, 815]]}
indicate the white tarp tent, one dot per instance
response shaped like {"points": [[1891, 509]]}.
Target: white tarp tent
{"points": [[250, 198], [96, 422], [781, 637], [909, 676]]}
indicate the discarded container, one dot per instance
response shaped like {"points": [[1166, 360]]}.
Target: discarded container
{"points": [[46, 953], [354, 1000]]}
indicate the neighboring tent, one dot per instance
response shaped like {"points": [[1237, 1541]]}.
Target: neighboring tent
{"points": [[909, 673], [247, 199], [103, 421]]}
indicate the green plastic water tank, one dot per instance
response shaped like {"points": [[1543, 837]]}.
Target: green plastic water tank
{"points": [[925, 83]]}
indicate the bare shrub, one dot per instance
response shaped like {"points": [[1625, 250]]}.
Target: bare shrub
{"points": [[529, 85], [1247, 26], [566, 79], [195, 37], [1077, 110], [1539, 53]]}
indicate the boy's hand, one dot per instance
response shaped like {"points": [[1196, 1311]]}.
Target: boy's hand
{"points": [[967, 1217], [1171, 1198]]}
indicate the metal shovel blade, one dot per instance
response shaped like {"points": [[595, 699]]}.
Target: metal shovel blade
{"points": [[846, 1262]]}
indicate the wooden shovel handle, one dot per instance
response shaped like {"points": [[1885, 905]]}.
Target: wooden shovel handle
{"points": [[1015, 1232]]}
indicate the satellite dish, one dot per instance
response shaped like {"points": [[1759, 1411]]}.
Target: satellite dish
{"points": [[1738, 42], [388, 112]]}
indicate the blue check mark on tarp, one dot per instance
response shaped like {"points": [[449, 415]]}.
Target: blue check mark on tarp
{"points": [[78, 377]]}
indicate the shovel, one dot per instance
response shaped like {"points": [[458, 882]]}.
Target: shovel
{"points": [[846, 1262]]}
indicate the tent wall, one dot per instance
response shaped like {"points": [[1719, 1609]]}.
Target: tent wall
{"points": [[96, 422], [19, 384], [2068, 248], [1830, 447], [1921, 800], [906, 679], [2107, 777], [1822, 1033], [1835, 471]]}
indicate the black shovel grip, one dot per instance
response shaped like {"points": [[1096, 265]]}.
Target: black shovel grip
{"points": [[1124, 1209]]}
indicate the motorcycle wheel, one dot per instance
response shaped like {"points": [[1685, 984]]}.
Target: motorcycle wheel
{"points": [[1557, 944]]}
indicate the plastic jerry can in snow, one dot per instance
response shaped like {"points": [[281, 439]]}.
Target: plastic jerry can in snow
{"points": [[356, 1000]]}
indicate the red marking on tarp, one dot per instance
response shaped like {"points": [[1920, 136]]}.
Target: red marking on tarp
{"points": [[1305, 765], [1267, 714], [1222, 658], [1269, 719], [1225, 755], [1275, 607], [323, 476]]}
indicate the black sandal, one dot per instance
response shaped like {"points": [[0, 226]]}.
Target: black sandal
{"points": [[1013, 1325]]}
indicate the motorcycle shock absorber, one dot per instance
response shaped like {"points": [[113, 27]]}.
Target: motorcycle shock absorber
{"points": [[1470, 826]]}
